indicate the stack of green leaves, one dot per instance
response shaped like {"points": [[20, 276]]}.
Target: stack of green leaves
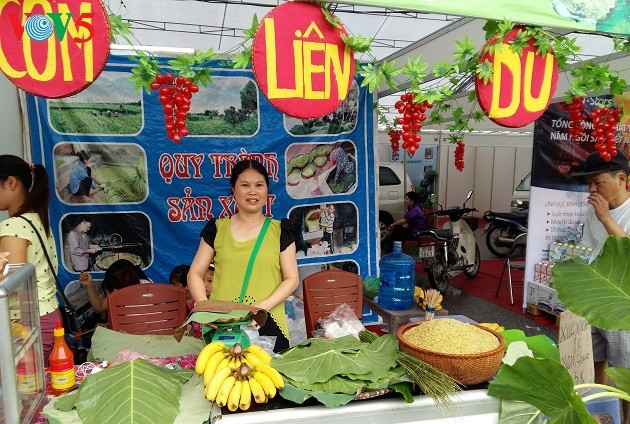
{"points": [[335, 371]]}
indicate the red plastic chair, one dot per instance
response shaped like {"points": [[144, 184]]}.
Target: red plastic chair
{"points": [[325, 290], [147, 309]]}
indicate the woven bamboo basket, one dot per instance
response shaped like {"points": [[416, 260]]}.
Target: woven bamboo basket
{"points": [[467, 369]]}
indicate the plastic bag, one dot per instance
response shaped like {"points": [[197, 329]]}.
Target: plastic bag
{"points": [[341, 322], [370, 287], [296, 322]]}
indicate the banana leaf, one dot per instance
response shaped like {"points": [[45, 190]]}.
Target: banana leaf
{"points": [[318, 360], [191, 411], [600, 291], [106, 345], [135, 392]]}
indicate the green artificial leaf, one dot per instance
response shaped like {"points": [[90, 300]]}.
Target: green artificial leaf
{"points": [[540, 345], [107, 344], [415, 69], [441, 69], [135, 391], [332, 19], [465, 49], [485, 71], [249, 33], [600, 291], [621, 377], [528, 380], [617, 86], [243, 59], [357, 43], [371, 76], [514, 412], [143, 74], [119, 27], [318, 360], [388, 71]]}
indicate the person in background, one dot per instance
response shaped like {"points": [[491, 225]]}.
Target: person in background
{"points": [[409, 226], [208, 279], [25, 191], [81, 181], [81, 250], [230, 241], [122, 273], [608, 215], [328, 224]]}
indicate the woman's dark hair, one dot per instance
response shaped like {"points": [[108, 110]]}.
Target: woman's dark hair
{"points": [[413, 196], [179, 275], [243, 166], [83, 155], [34, 179], [122, 273]]}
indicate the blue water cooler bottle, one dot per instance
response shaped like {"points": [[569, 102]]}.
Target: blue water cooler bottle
{"points": [[398, 276]]}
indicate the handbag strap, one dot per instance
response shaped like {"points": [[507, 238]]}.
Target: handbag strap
{"points": [[52, 269], [252, 258]]}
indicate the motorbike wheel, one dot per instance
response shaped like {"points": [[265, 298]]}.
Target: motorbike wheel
{"points": [[438, 275], [474, 270], [491, 241]]}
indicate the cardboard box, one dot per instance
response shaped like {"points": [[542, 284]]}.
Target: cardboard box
{"points": [[532, 293], [548, 299]]}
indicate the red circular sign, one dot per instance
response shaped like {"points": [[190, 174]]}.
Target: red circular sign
{"points": [[521, 87], [300, 62], [53, 48]]}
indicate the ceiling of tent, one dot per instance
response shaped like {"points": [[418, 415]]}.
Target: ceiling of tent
{"points": [[219, 24]]}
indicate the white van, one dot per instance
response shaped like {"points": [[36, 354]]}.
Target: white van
{"points": [[393, 183]]}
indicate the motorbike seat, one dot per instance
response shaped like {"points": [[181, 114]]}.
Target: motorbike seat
{"points": [[515, 216], [443, 235]]}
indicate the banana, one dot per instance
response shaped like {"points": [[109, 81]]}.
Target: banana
{"points": [[205, 354], [216, 382], [257, 391], [265, 383], [235, 396], [213, 366], [251, 359], [246, 396], [260, 353], [272, 373], [224, 391]]}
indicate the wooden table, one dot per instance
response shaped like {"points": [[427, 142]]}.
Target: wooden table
{"points": [[395, 319]]}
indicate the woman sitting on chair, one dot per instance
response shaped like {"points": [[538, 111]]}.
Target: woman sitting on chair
{"points": [[120, 274], [409, 226]]}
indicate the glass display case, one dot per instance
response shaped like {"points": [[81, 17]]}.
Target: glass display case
{"points": [[22, 378]]}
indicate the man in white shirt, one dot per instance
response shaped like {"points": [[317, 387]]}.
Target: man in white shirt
{"points": [[609, 215]]}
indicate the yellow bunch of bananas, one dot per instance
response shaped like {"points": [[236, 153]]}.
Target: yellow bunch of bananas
{"points": [[234, 376], [493, 326], [419, 297]]}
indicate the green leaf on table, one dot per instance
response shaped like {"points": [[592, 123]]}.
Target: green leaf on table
{"points": [[543, 383], [600, 291], [318, 360], [136, 391], [299, 396], [107, 344]]}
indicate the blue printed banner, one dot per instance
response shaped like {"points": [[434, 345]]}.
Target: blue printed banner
{"points": [[149, 197]]}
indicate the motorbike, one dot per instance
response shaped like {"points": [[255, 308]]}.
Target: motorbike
{"points": [[452, 250], [501, 225]]}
